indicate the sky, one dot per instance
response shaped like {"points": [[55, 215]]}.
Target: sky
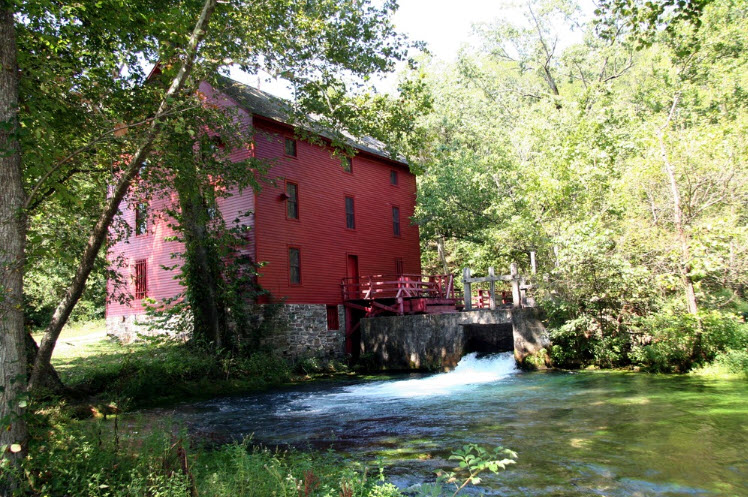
{"points": [[445, 26]]}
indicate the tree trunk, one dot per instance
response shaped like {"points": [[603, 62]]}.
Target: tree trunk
{"points": [[101, 229], [13, 432], [50, 379], [209, 318], [684, 265]]}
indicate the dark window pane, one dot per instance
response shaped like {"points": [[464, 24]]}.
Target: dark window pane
{"points": [[347, 164], [290, 147], [396, 221], [350, 217], [141, 219], [292, 202], [393, 177], [294, 265]]}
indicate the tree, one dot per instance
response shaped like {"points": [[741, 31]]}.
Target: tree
{"points": [[99, 233], [12, 239], [324, 48]]}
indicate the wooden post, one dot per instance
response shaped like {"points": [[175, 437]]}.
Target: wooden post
{"points": [[492, 294], [532, 262], [516, 299], [466, 286]]}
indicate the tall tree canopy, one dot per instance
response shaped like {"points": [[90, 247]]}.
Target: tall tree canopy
{"points": [[622, 164]]}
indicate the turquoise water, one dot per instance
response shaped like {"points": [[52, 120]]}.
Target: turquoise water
{"points": [[582, 433]]}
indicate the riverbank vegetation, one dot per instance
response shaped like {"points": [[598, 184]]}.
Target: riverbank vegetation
{"points": [[620, 159]]}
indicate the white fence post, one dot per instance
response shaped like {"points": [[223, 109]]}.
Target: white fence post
{"points": [[492, 294], [516, 298], [466, 286]]}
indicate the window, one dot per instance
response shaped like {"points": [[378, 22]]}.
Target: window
{"points": [[393, 177], [396, 221], [292, 201], [333, 322], [294, 266], [216, 144], [290, 147], [210, 203], [350, 216], [141, 218], [399, 266], [347, 164], [141, 279]]}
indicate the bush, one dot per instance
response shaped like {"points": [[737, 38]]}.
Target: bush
{"points": [[96, 459], [678, 342], [242, 470], [583, 341]]}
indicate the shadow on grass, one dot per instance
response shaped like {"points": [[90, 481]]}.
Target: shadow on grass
{"points": [[147, 374]]}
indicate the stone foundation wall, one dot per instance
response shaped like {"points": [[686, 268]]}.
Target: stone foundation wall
{"points": [[127, 328], [296, 331], [300, 331]]}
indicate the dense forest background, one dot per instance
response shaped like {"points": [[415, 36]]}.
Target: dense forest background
{"points": [[620, 160]]}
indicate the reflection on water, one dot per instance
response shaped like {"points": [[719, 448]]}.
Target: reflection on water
{"points": [[586, 433]]}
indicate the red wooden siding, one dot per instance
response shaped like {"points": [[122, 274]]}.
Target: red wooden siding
{"points": [[320, 233], [327, 249], [152, 247]]}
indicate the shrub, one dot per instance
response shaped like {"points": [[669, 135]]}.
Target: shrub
{"points": [[678, 342]]}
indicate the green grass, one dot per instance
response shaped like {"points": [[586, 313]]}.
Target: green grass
{"points": [[116, 458], [99, 369], [77, 330]]}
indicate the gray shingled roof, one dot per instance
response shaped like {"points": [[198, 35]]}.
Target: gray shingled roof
{"points": [[266, 105]]}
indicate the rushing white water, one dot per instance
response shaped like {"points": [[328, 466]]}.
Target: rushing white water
{"points": [[469, 372]]}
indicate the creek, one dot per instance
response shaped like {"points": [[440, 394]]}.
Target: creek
{"points": [[579, 433]]}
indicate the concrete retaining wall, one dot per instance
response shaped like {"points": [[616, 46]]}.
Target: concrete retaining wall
{"points": [[438, 341]]}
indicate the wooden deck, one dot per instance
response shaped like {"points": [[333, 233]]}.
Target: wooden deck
{"points": [[400, 294]]}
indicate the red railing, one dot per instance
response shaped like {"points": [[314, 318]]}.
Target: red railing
{"points": [[398, 286]]}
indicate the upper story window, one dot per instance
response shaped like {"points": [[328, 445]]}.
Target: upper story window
{"points": [[396, 221], [141, 218], [393, 178], [294, 265], [350, 214], [141, 279], [292, 200], [348, 164], [289, 147]]}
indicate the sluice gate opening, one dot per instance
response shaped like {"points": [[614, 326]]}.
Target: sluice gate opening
{"points": [[488, 338]]}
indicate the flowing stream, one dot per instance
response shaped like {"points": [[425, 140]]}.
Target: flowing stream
{"points": [[585, 433]]}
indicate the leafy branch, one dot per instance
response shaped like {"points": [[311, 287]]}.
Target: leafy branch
{"points": [[475, 460]]}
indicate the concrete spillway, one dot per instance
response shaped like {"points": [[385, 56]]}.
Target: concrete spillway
{"points": [[438, 341]]}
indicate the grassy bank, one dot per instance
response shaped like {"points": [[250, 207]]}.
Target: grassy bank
{"points": [[114, 457], [146, 373]]}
